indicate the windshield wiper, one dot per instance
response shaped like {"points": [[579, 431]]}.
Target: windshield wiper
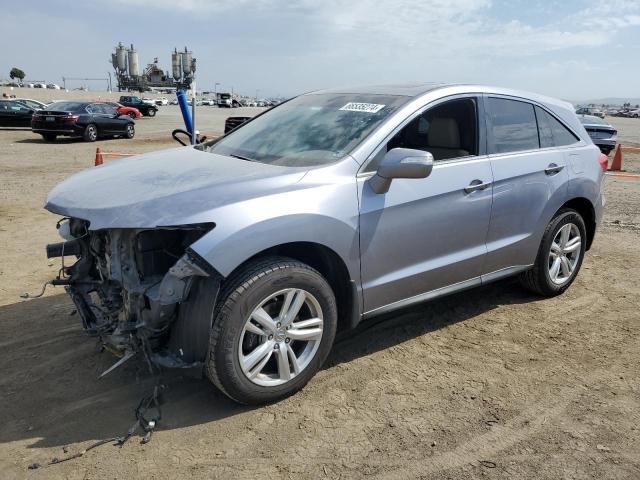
{"points": [[242, 158]]}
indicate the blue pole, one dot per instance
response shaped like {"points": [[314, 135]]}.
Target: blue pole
{"points": [[184, 107]]}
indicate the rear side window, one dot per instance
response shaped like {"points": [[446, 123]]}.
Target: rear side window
{"points": [[552, 132], [513, 126]]}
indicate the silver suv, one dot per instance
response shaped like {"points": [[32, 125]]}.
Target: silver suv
{"points": [[245, 255]]}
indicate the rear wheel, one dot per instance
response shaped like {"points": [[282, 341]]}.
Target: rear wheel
{"points": [[90, 133], [151, 112], [560, 255], [130, 131], [606, 150], [273, 329], [132, 115], [49, 137]]}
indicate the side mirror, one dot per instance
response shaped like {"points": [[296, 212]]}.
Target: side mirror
{"points": [[401, 163]]}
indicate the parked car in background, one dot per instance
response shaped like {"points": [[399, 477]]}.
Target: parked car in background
{"points": [[224, 100], [635, 113], [145, 108], [590, 111], [601, 132], [88, 120], [53, 86], [14, 113], [232, 123], [174, 101], [33, 104], [245, 255], [208, 101], [162, 101], [131, 111], [149, 101]]}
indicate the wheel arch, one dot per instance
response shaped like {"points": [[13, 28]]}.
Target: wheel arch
{"points": [[586, 209], [331, 266]]}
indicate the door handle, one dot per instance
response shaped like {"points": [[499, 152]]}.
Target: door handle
{"points": [[552, 169], [476, 185]]}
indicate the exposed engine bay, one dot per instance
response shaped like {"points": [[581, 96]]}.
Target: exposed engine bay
{"points": [[128, 285]]}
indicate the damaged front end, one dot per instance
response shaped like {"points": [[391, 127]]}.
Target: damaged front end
{"points": [[130, 287]]}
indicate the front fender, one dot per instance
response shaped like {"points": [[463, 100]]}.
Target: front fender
{"points": [[323, 209], [227, 250]]}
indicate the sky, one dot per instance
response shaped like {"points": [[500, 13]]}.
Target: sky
{"points": [[572, 49]]}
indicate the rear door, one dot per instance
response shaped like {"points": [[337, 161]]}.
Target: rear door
{"points": [[102, 117], [530, 177]]}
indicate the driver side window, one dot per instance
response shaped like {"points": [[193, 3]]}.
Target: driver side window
{"points": [[448, 130]]}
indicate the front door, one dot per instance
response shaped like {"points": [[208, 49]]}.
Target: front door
{"points": [[428, 234]]}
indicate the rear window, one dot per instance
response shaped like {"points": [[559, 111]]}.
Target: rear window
{"points": [[591, 120], [66, 106], [552, 132], [513, 126]]}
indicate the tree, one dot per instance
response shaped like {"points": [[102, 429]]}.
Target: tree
{"points": [[17, 73]]}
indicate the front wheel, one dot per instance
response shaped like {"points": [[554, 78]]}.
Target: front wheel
{"points": [[151, 112], [132, 115], [273, 329], [560, 255]]}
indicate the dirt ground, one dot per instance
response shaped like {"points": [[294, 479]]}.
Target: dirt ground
{"points": [[492, 383]]}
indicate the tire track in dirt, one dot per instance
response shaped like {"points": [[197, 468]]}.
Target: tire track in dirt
{"points": [[487, 446]]}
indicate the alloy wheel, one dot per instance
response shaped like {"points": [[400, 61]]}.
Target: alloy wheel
{"points": [[564, 253], [92, 133], [280, 337]]}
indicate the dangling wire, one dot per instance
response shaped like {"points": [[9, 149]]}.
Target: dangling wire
{"points": [[28, 296]]}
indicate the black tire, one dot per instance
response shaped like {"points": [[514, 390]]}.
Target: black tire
{"points": [[130, 131], [538, 278], [151, 112], [239, 296], [49, 137], [90, 133], [132, 115]]}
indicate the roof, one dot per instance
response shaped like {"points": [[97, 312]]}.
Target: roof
{"points": [[419, 89], [407, 89]]}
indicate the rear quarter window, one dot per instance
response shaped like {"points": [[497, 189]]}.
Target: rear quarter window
{"points": [[552, 132]]}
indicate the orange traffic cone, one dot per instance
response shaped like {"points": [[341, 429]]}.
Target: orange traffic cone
{"points": [[616, 165], [98, 157]]}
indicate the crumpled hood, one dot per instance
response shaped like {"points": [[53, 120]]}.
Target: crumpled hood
{"points": [[165, 188]]}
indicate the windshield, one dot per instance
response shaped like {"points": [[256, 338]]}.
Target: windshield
{"points": [[309, 130]]}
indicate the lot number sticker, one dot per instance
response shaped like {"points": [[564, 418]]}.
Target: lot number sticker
{"points": [[362, 107]]}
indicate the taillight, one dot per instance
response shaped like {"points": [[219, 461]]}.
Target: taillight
{"points": [[604, 162], [70, 118]]}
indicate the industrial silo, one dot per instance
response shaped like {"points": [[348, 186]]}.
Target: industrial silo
{"points": [[186, 61], [134, 65], [121, 58], [176, 67]]}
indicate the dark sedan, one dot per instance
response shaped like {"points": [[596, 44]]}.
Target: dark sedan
{"points": [[232, 123], [601, 133], [88, 120], [14, 114]]}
